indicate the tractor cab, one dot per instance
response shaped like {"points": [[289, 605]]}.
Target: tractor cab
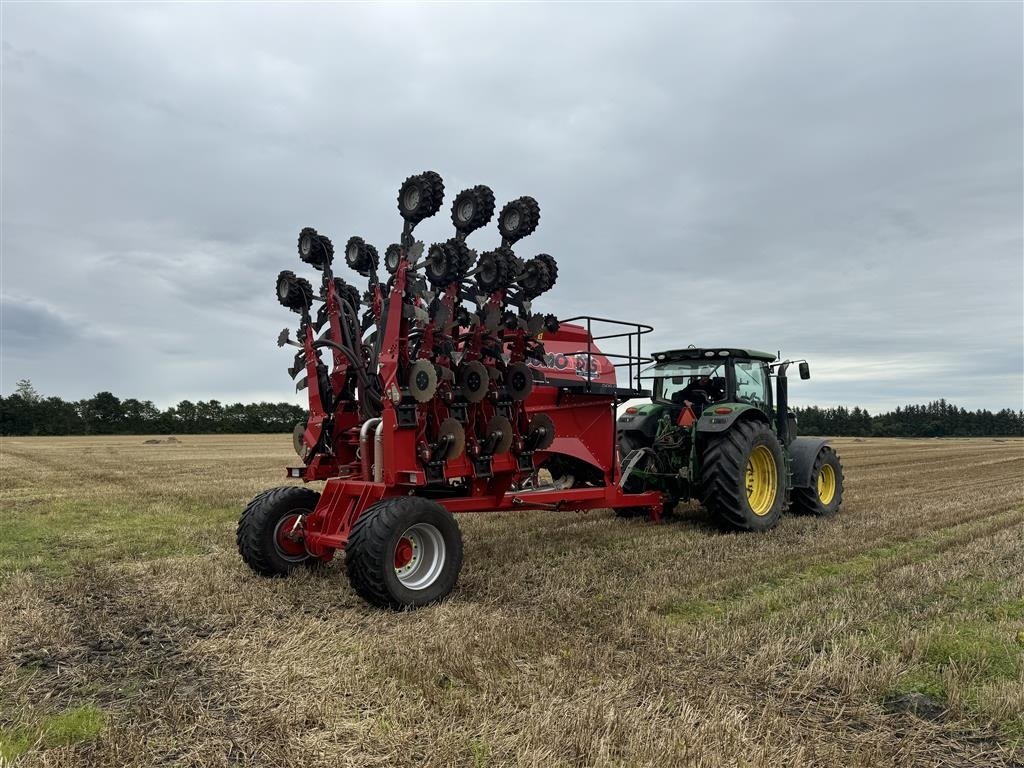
{"points": [[711, 385], [701, 377]]}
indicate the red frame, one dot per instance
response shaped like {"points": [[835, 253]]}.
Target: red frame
{"points": [[584, 429]]}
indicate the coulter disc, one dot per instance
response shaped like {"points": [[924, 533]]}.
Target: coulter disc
{"points": [[542, 431], [504, 426], [451, 427], [422, 381]]}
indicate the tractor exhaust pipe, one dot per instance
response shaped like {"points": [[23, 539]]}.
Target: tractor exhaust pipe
{"points": [[378, 452], [782, 404], [365, 449]]}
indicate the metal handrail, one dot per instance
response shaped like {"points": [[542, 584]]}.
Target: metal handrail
{"points": [[637, 330]]}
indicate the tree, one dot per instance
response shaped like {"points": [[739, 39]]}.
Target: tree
{"points": [[26, 391], [103, 414]]}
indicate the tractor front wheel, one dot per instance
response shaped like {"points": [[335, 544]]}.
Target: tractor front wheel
{"points": [[267, 535], [743, 477], [404, 552], [825, 494]]}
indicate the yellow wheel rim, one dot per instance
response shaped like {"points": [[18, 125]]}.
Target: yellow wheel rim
{"points": [[826, 484], [762, 481]]}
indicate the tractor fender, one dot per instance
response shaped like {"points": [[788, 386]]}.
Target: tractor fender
{"points": [[710, 421], [644, 421], [802, 453]]}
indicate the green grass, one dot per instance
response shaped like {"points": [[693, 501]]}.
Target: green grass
{"points": [[985, 650], [55, 538], [72, 726], [973, 635], [784, 589], [778, 592]]}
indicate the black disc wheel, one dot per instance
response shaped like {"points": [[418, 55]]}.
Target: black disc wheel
{"points": [[392, 257], [420, 197], [269, 531], [361, 256], [742, 477], [519, 381], [447, 262], [422, 381], [315, 249], [347, 293], [472, 209], [294, 292], [535, 278], [404, 552], [494, 270], [552, 270], [473, 381], [825, 494], [518, 219]]}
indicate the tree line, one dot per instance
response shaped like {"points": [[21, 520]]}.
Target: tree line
{"points": [[26, 412], [936, 419]]}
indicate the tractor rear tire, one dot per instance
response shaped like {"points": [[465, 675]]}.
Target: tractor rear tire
{"points": [[825, 494], [404, 552], [262, 530], [743, 477]]}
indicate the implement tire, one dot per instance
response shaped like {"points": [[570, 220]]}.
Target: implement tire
{"points": [[825, 494], [743, 477], [404, 552], [262, 531]]}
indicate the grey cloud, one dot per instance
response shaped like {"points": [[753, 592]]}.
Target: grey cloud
{"points": [[840, 181]]}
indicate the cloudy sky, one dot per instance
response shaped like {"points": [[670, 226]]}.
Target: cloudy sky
{"points": [[841, 181]]}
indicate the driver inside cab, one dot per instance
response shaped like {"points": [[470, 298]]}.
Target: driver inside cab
{"points": [[700, 392]]}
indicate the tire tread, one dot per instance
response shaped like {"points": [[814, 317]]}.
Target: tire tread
{"points": [[724, 462], [255, 518]]}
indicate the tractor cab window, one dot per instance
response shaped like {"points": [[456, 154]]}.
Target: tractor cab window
{"points": [[752, 383], [697, 382]]}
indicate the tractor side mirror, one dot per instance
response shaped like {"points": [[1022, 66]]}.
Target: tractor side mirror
{"points": [[805, 371]]}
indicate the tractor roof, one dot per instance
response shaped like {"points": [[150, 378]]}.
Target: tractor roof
{"points": [[706, 353]]}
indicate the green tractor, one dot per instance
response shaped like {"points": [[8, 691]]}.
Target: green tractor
{"points": [[715, 431]]}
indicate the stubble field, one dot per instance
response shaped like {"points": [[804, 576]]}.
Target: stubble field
{"points": [[892, 635]]}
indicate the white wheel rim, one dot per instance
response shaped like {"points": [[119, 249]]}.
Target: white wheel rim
{"points": [[419, 556]]}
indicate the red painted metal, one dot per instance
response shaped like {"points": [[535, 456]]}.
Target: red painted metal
{"points": [[574, 387], [403, 553], [290, 543]]}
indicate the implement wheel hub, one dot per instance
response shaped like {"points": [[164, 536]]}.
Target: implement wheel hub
{"points": [[403, 553], [761, 480], [289, 545]]}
